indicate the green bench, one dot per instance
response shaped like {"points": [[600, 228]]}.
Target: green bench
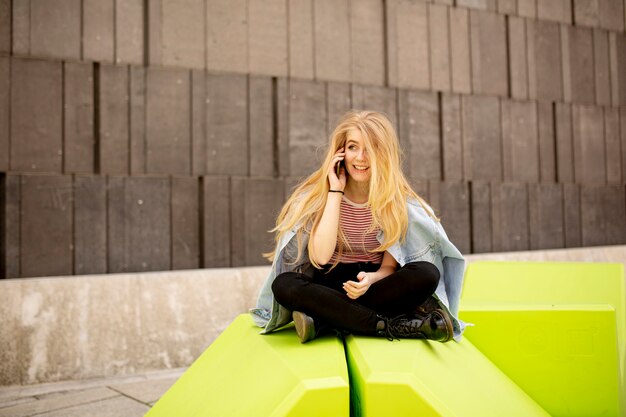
{"points": [[558, 330], [423, 378], [245, 374], [548, 339]]}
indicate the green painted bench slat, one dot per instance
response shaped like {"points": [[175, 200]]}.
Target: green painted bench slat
{"points": [[564, 357], [427, 379], [521, 285], [245, 374]]}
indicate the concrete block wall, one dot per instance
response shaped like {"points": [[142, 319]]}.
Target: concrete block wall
{"points": [[160, 135], [90, 326]]}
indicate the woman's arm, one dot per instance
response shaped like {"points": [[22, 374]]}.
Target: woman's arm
{"points": [[324, 236], [387, 267], [356, 289]]}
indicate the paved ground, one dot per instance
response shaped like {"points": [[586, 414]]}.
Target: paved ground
{"points": [[130, 396]]}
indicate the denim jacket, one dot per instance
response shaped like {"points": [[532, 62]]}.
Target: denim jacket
{"points": [[425, 241]]}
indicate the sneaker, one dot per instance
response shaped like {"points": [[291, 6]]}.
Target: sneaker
{"points": [[305, 327], [436, 326]]}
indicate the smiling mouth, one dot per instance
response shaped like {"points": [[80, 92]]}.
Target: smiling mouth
{"points": [[360, 168]]}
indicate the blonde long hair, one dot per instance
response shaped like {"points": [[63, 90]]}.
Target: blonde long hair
{"points": [[388, 187]]}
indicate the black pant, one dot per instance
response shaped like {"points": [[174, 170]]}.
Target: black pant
{"points": [[323, 298]]}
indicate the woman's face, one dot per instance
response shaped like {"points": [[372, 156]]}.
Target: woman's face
{"points": [[356, 160]]}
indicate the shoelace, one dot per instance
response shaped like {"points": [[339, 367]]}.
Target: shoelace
{"points": [[396, 327]]}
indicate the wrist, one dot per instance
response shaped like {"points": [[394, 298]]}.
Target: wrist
{"points": [[335, 191]]}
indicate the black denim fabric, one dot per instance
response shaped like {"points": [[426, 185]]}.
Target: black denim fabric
{"points": [[323, 298]]}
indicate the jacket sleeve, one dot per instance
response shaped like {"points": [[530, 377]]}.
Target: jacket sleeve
{"points": [[268, 313]]}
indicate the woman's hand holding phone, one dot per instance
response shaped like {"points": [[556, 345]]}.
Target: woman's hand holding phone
{"points": [[337, 171]]}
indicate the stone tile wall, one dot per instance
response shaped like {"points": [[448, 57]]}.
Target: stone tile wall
{"points": [[166, 134]]}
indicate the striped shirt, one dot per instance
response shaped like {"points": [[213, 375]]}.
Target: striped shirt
{"points": [[354, 220]]}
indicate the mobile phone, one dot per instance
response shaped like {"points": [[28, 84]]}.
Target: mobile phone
{"points": [[338, 167]]}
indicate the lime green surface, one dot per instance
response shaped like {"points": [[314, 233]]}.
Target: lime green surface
{"points": [[245, 374], [427, 379], [548, 339], [562, 300], [565, 358]]}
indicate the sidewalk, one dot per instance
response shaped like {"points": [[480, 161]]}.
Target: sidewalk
{"points": [[130, 396]]}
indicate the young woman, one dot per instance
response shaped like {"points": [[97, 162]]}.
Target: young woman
{"points": [[358, 250]]}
